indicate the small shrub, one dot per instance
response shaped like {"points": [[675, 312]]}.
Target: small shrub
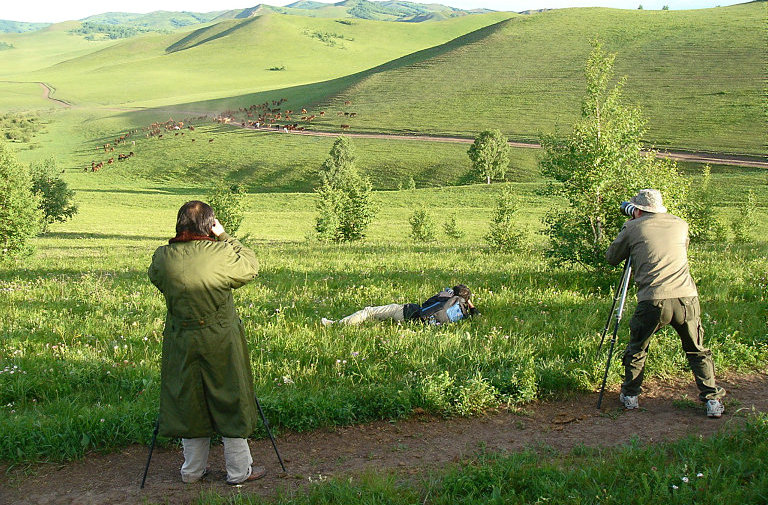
{"points": [[20, 216], [56, 199], [451, 228], [744, 221], [344, 208], [700, 212], [422, 226], [229, 204], [502, 235]]}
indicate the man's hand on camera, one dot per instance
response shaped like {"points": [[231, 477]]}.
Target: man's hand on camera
{"points": [[217, 228]]}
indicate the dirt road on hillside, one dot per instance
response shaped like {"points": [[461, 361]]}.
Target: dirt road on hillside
{"points": [[410, 448], [696, 157]]}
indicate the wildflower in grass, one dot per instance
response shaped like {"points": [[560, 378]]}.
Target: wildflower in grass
{"points": [[699, 475], [684, 479], [674, 487], [354, 354]]}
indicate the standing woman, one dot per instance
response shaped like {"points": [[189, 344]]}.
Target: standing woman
{"points": [[206, 378]]}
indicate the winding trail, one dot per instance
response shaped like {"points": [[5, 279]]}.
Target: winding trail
{"points": [[48, 91], [410, 448], [688, 156]]}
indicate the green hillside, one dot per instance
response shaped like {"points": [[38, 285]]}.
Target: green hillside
{"points": [[7, 26], [43, 48], [234, 57], [158, 20], [698, 76]]}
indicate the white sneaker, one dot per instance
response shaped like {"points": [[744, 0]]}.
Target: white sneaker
{"points": [[715, 408], [327, 322], [630, 402]]}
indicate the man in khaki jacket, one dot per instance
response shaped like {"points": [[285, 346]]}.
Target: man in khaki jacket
{"points": [[657, 242]]}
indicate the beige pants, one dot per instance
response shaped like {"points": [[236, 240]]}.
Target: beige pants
{"points": [[381, 313], [237, 457]]}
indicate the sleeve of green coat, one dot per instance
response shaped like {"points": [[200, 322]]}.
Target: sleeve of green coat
{"points": [[154, 273], [619, 248], [242, 266]]}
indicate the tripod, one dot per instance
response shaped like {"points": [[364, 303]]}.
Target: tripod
{"points": [[620, 296], [157, 428]]}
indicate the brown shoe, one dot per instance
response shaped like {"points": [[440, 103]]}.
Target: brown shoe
{"points": [[257, 472]]}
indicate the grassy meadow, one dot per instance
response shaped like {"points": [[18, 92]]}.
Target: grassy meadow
{"points": [[82, 325]]}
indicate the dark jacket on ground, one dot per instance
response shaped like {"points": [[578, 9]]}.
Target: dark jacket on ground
{"points": [[206, 378], [658, 245]]}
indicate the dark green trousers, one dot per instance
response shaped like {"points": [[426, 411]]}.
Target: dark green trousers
{"points": [[684, 314]]}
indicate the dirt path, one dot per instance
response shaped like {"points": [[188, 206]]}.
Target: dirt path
{"points": [[47, 91], [697, 157], [410, 447]]}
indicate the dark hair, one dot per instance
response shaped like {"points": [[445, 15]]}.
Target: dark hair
{"points": [[462, 291], [195, 217]]}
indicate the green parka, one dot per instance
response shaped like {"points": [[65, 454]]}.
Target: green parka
{"points": [[206, 378]]}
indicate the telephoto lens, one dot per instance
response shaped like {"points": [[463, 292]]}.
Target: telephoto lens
{"points": [[628, 209]]}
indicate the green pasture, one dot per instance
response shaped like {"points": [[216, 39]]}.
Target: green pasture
{"points": [[81, 325], [272, 161]]}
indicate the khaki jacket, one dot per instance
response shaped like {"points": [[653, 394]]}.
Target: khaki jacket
{"points": [[206, 378], [658, 245]]}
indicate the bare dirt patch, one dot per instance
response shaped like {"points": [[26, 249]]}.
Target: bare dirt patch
{"points": [[668, 411]]}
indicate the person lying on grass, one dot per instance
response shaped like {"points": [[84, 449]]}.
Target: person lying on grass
{"points": [[447, 306]]}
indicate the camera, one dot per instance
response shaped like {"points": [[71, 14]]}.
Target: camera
{"points": [[628, 209]]}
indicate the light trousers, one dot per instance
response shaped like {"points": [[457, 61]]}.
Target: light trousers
{"points": [[393, 311], [237, 458]]}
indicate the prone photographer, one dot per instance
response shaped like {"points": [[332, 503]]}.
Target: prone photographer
{"points": [[657, 243]]}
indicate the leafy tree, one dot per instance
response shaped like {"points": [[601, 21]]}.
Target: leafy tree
{"points": [[599, 165], [503, 235], [56, 199], [422, 226], [490, 155], [344, 206], [229, 204], [20, 216]]}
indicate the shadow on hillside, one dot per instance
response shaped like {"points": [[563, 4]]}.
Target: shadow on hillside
{"points": [[155, 191], [184, 43], [106, 236]]}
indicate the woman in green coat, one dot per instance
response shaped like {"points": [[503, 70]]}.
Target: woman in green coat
{"points": [[206, 378]]}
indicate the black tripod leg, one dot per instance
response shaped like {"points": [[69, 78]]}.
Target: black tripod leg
{"points": [[607, 365], [616, 296], [619, 311], [269, 432], [151, 448]]}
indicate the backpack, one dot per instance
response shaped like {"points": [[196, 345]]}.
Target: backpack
{"points": [[444, 307]]}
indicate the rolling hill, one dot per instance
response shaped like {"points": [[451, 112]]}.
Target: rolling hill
{"points": [[235, 57], [697, 75]]}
